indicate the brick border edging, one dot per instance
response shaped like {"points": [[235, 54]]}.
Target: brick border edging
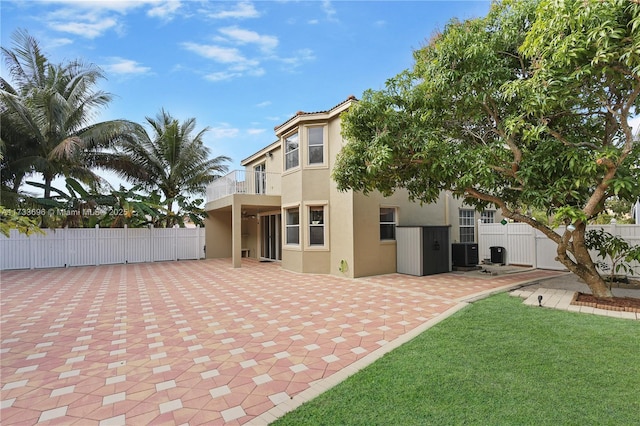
{"points": [[574, 301]]}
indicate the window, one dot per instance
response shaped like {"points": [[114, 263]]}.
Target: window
{"points": [[260, 179], [487, 216], [291, 151], [293, 226], [387, 223], [316, 145], [467, 228], [316, 225]]}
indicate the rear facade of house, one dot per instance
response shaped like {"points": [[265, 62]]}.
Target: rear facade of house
{"points": [[284, 206]]}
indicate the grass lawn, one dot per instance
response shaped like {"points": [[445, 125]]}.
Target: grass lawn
{"points": [[496, 362]]}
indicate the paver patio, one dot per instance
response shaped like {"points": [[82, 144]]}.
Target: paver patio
{"points": [[200, 342]]}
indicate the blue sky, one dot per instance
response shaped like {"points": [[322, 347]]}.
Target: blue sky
{"points": [[240, 68]]}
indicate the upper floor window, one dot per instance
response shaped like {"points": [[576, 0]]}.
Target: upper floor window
{"points": [[316, 225], [316, 145], [467, 225], [291, 151], [487, 216], [292, 225], [387, 223]]}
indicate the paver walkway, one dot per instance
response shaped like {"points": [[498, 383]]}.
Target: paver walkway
{"points": [[200, 342]]}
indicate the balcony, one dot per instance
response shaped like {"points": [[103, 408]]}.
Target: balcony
{"points": [[244, 182]]}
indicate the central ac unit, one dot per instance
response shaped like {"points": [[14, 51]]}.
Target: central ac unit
{"points": [[464, 254]]}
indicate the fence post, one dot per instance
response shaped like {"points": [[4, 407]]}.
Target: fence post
{"points": [[534, 245], [151, 256], [31, 254], [175, 244], [126, 244], [65, 232], [96, 251]]}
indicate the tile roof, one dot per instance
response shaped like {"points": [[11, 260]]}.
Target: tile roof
{"points": [[299, 113]]}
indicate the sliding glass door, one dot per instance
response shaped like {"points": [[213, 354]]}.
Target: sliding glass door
{"points": [[271, 240]]}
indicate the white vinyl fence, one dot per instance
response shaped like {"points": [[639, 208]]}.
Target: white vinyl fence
{"points": [[525, 245], [99, 246]]}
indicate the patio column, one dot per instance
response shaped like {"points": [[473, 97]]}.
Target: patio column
{"points": [[236, 235]]}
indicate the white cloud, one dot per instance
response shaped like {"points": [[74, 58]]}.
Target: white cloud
{"points": [[217, 53], [242, 36], [224, 131], [263, 104], [85, 29], [118, 6], [329, 10], [91, 19], [301, 56], [256, 72], [58, 42], [164, 10], [221, 76], [238, 64], [256, 131], [125, 66], [242, 10]]}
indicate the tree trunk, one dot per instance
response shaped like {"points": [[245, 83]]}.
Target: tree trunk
{"points": [[583, 266], [169, 222]]}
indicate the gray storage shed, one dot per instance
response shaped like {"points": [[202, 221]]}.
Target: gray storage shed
{"points": [[422, 250]]}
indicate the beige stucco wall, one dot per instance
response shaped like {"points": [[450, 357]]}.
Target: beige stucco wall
{"points": [[218, 234], [304, 186], [250, 236], [373, 256]]}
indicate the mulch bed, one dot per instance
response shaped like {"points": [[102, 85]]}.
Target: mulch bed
{"points": [[626, 304]]}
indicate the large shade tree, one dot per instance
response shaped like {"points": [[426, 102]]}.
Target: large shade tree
{"points": [[48, 114], [526, 108], [173, 159]]}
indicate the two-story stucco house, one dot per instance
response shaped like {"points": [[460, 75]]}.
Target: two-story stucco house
{"points": [[285, 207]]}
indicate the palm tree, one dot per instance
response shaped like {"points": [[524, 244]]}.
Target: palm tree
{"points": [[172, 160], [48, 117]]}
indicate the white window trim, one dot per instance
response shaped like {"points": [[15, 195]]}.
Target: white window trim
{"points": [[307, 215], [286, 245], [493, 216], [262, 186], [325, 143], [472, 226], [284, 152]]}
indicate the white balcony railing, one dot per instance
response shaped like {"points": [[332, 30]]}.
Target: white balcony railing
{"points": [[244, 182]]}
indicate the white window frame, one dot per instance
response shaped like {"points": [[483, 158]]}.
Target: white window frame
{"points": [[323, 145], [260, 178], [309, 224], [488, 216], [288, 225], [296, 151], [466, 222], [394, 223]]}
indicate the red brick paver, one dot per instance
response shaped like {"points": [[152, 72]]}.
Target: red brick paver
{"points": [[197, 342]]}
